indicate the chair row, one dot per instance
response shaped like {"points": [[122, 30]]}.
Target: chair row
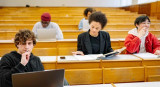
{"points": [[75, 26], [50, 48], [73, 34], [68, 17], [69, 21]]}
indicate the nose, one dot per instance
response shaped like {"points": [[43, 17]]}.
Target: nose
{"points": [[27, 46], [94, 29], [147, 24]]}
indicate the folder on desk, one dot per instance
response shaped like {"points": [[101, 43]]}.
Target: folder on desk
{"points": [[111, 54]]}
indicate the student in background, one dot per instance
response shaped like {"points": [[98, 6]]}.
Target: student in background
{"points": [[94, 41], [22, 60], [140, 40], [87, 13], [47, 24]]}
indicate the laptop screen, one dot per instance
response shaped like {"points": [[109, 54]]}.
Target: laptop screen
{"points": [[46, 34], [50, 78]]}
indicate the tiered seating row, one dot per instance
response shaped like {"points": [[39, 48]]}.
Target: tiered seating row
{"points": [[73, 34]]}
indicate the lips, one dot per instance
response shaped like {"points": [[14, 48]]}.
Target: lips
{"points": [[26, 50]]}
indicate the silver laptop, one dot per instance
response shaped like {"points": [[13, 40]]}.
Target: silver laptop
{"points": [[86, 25], [46, 35], [50, 78]]}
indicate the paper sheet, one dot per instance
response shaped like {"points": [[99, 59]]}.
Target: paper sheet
{"points": [[147, 55], [47, 58]]}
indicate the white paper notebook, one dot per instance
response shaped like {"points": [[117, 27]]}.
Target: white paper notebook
{"points": [[79, 57], [87, 57], [96, 85], [67, 58], [139, 84], [124, 57], [147, 55], [47, 58]]}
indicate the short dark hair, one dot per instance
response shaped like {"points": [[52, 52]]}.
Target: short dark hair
{"points": [[88, 10], [23, 35], [141, 19], [98, 17]]}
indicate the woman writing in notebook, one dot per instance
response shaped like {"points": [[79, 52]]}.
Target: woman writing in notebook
{"points": [[94, 41], [140, 40]]}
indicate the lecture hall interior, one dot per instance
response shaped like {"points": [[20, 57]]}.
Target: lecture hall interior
{"points": [[127, 69]]}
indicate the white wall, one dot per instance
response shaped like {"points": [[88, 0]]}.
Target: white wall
{"points": [[71, 3], [74, 3], [125, 3], [146, 1]]}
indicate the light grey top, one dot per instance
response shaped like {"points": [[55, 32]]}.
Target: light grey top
{"points": [[52, 25]]}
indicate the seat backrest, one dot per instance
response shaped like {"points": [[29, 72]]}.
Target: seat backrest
{"points": [[83, 76], [123, 74]]}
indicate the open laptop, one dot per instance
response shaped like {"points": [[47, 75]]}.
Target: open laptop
{"points": [[46, 35], [50, 78], [86, 25]]}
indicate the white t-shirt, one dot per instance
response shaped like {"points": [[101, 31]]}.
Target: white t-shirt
{"points": [[59, 34]]}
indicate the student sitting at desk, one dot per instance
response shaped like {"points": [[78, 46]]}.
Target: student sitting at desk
{"points": [[20, 61], [87, 13], [94, 41], [47, 24], [140, 40]]}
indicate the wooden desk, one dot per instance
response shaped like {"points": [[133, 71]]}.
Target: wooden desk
{"points": [[50, 48], [84, 76], [149, 60], [49, 62], [95, 85], [123, 74], [152, 73], [73, 34], [71, 63], [138, 84], [135, 84], [122, 61]]}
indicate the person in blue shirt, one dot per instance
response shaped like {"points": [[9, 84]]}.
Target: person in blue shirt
{"points": [[87, 13]]}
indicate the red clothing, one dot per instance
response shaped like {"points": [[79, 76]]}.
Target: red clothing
{"points": [[132, 44]]}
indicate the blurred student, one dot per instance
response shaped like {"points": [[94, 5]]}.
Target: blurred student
{"points": [[47, 24], [87, 13]]}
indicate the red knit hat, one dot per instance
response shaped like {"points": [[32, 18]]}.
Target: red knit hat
{"points": [[46, 17]]}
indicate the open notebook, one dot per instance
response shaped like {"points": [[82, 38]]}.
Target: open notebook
{"points": [[111, 54]]}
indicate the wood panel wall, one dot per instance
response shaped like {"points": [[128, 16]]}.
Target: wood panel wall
{"points": [[150, 9]]}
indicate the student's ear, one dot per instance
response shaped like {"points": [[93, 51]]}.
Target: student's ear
{"points": [[137, 25], [17, 45]]}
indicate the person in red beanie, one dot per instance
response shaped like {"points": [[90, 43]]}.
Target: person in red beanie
{"points": [[47, 24]]}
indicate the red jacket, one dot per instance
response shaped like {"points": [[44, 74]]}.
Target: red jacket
{"points": [[132, 44]]}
